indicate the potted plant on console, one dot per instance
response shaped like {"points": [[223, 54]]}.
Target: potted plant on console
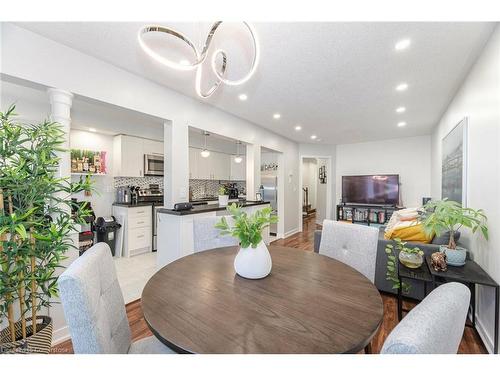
{"points": [[35, 227], [449, 216], [253, 260], [411, 257], [223, 196]]}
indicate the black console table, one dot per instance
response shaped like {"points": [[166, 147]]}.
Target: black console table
{"points": [[470, 274], [365, 214]]}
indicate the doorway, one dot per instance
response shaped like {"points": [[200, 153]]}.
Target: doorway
{"points": [[315, 190]]}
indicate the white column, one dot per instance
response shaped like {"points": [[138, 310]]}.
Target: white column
{"points": [[60, 105], [60, 111], [176, 149], [253, 170]]}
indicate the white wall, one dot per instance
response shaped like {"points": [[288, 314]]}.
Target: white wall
{"points": [[321, 191], [62, 67], [479, 100], [408, 157]]}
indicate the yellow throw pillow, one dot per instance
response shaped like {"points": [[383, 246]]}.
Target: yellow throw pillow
{"points": [[409, 233]]}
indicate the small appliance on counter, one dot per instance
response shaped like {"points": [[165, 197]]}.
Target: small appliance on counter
{"points": [[123, 194], [106, 228], [232, 191]]}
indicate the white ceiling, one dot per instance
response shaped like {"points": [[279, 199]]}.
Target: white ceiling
{"points": [[336, 80]]}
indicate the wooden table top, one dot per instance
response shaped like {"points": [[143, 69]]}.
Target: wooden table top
{"points": [[309, 303]]}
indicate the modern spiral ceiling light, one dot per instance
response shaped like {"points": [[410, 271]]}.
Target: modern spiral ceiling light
{"points": [[200, 57]]}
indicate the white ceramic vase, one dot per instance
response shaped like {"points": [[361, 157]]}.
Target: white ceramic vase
{"points": [[223, 200], [253, 263]]}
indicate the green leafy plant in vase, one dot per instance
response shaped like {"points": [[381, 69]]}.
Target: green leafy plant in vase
{"points": [[253, 260], [36, 225], [223, 195], [411, 257], [444, 216]]}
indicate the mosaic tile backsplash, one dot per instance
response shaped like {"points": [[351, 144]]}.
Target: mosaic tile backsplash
{"points": [[142, 182], [210, 188]]}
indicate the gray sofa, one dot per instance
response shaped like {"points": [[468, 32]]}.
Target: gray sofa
{"points": [[417, 287]]}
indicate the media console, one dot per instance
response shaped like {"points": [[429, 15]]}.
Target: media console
{"points": [[365, 214]]}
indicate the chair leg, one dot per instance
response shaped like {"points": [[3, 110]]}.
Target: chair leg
{"points": [[368, 348]]}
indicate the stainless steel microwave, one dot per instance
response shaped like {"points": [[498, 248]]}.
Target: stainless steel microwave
{"points": [[153, 165]]}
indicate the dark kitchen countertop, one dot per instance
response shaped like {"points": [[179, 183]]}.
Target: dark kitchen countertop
{"points": [[207, 208], [138, 204]]}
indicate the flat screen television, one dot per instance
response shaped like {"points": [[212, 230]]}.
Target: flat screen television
{"points": [[371, 189]]}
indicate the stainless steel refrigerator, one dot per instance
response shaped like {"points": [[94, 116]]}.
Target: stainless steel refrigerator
{"points": [[269, 191]]}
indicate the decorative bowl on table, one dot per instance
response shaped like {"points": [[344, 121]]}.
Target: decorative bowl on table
{"points": [[411, 260]]}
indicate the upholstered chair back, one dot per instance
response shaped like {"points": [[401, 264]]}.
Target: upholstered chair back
{"points": [[352, 244], [93, 303], [206, 236], [434, 326]]}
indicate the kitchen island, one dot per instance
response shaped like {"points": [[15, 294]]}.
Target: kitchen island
{"points": [[175, 228]]}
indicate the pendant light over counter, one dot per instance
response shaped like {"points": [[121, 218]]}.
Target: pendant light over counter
{"points": [[205, 153], [238, 159]]}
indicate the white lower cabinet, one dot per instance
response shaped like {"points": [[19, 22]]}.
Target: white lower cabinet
{"points": [[135, 235], [175, 233]]}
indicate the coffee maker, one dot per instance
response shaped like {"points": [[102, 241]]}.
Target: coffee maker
{"points": [[232, 191]]}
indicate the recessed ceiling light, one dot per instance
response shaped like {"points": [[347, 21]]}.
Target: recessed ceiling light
{"points": [[298, 128], [243, 97], [276, 116], [314, 136], [401, 124], [93, 130], [400, 109], [402, 44], [402, 86]]}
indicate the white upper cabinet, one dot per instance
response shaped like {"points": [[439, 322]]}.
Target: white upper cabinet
{"points": [[220, 166], [153, 147], [128, 154], [238, 170], [194, 155], [216, 167]]}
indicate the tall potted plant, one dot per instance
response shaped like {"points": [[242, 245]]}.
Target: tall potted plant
{"points": [[253, 260], [36, 222], [449, 216]]}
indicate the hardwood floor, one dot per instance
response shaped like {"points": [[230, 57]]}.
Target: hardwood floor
{"points": [[471, 342]]}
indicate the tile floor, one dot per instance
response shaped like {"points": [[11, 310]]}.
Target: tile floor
{"points": [[133, 274]]}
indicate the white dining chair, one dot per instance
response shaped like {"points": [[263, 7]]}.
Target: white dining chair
{"points": [[94, 308], [352, 244], [434, 326], [207, 237]]}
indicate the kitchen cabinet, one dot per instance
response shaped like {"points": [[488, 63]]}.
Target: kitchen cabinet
{"points": [[238, 170], [175, 233], [128, 154], [220, 166], [216, 167], [135, 235], [194, 154], [152, 147]]}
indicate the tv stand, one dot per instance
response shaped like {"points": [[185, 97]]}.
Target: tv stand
{"points": [[365, 214]]}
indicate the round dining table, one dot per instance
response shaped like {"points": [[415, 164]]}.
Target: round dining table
{"points": [[309, 303]]}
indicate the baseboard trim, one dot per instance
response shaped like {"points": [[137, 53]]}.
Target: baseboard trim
{"points": [[487, 340], [60, 335], [291, 232]]}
